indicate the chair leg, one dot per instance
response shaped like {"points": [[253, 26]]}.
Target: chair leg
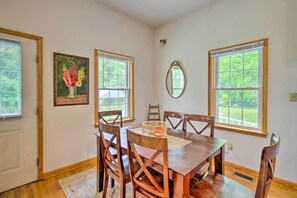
{"points": [[122, 189], [106, 177], [112, 182]]}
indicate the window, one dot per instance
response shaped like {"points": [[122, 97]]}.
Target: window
{"points": [[10, 79], [114, 83], [238, 87]]}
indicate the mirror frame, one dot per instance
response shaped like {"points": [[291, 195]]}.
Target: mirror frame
{"points": [[176, 63]]}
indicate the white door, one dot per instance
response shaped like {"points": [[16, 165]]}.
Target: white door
{"points": [[18, 111]]}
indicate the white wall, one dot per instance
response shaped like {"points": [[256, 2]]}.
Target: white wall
{"points": [[224, 23], [77, 27]]}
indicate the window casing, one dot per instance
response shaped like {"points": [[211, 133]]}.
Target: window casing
{"points": [[114, 84], [238, 87], [10, 79]]}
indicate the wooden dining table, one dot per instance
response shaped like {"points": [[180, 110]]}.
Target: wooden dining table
{"points": [[183, 162]]}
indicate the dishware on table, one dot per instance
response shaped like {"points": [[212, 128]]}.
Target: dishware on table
{"points": [[155, 128]]}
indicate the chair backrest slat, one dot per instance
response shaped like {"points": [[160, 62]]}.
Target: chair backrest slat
{"points": [[208, 120], [170, 115], [267, 166], [113, 121], [159, 146]]}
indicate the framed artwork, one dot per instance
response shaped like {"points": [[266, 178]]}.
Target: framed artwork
{"points": [[71, 80]]}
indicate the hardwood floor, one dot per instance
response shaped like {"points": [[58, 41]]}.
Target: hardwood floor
{"points": [[50, 188]]}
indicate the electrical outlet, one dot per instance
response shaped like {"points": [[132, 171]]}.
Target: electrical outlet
{"points": [[293, 97]]}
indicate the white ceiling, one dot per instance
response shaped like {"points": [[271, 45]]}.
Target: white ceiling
{"points": [[155, 12]]}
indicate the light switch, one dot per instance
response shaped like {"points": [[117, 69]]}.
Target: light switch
{"points": [[293, 97]]}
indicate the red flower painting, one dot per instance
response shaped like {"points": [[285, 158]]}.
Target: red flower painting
{"points": [[70, 77]]}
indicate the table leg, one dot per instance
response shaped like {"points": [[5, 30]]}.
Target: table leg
{"points": [[220, 161], [181, 186], [100, 167]]}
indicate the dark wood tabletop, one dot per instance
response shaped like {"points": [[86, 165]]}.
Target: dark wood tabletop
{"points": [[184, 161]]}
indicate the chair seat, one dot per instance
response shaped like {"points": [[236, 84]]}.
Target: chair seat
{"points": [[215, 185]]}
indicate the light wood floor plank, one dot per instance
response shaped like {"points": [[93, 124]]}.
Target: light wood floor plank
{"points": [[50, 188]]}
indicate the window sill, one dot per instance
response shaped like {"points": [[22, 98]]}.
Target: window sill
{"points": [[126, 120], [241, 130]]}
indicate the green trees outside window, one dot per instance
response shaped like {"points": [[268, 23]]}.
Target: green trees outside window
{"points": [[10, 79], [237, 88]]}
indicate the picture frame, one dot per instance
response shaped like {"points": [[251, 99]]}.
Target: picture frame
{"points": [[71, 80]]}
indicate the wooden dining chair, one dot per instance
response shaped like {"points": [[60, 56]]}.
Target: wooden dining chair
{"points": [[216, 185], [175, 119], [146, 181], [204, 123], [112, 117], [153, 112], [115, 167]]}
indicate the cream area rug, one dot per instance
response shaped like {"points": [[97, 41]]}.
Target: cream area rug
{"points": [[83, 185]]}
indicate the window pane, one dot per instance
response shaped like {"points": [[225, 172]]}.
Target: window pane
{"points": [[122, 67], [114, 100], [251, 78], [251, 60], [100, 80], [9, 55], [235, 116], [10, 79], [236, 79], [100, 65], [105, 80], [250, 108], [235, 107], [222, 103], [223, 63], [112, 74], [10, 104], [124, 102], [113, 66], [122, 81], [236, 62], [223, 79]]}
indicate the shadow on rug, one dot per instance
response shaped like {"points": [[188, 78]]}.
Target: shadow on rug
{"points": [[83, 185]]}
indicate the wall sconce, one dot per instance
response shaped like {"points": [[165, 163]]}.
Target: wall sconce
{"points": [[163, 35], [162, 42]]}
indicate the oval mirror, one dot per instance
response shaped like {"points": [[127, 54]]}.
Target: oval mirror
{"points": [[175, 80]]}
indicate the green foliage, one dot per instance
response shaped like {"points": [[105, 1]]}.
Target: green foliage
{"points": [[237, 71], [112, 73], [9, 77], [245, 114]]}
